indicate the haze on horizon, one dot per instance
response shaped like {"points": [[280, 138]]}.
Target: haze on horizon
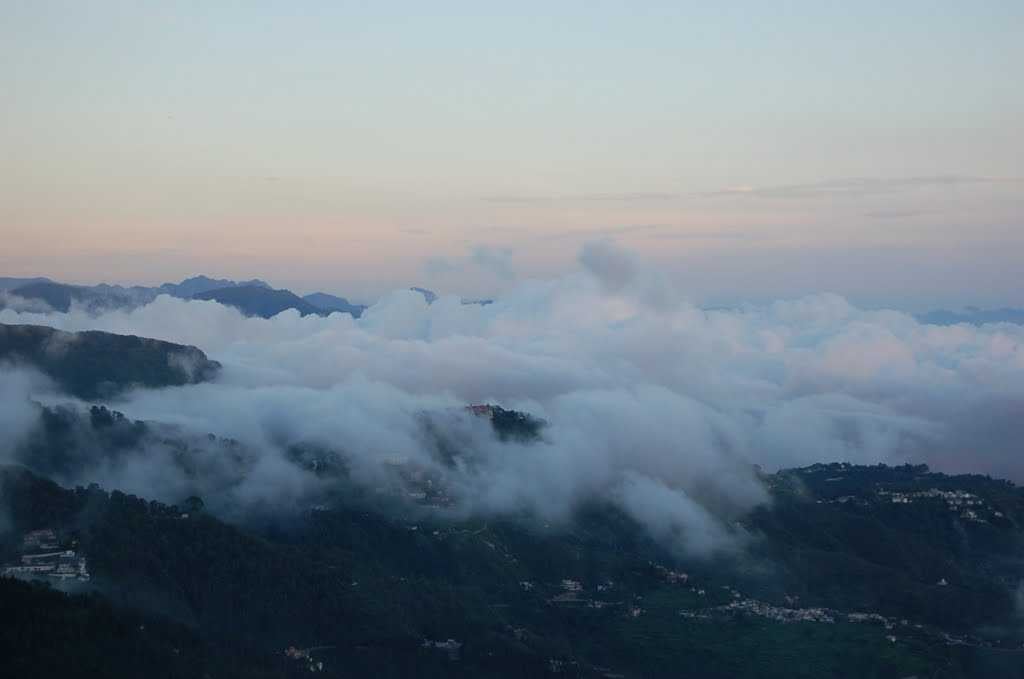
{"points": [[752, 152]]}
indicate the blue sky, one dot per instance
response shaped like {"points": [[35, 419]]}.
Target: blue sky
{"points": [[765, 149]]}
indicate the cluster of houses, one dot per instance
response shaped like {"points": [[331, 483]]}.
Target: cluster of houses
{"points": [[573, 594], [482, 410], [786, 614], [668, 575], [776, 613], [753, 607], [42, 557], [953, 498], [876, 618], [418, 484], [968, 504], [572, 591], [449, 646], [304, 656]]}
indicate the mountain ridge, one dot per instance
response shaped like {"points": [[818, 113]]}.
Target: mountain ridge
{"points": [[253, 297], [259, 301]]}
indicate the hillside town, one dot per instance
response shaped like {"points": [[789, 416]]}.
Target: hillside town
{"points": [[43, 557], [575, 593], [970, 506]]}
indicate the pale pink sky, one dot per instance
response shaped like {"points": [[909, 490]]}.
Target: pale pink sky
{"points": [[751, 153]]}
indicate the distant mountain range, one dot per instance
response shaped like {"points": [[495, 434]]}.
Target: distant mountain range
{"points": [[432, 296], [104, 297], [428, 295], [264, 302], [257, 298], [60, 297], [331, 303], [11, 283], [197, 285], [973, 316], [253, 298]]}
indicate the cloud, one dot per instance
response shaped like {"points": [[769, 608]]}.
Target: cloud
{"points": [[495, 261], [859, 186], [607, 232], [653, 404], [673, 517], [622, 273], [846, 186], [628, 197], [895, 214], [9, 300], [710, 235], [651, 231], [436, 265], [17, 412]]}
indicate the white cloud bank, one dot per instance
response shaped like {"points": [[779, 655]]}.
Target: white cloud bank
{"points": [[652, 403]]}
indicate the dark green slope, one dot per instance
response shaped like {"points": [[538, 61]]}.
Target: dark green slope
{"points": [[45, 633], [365, 588], [93, 364]]}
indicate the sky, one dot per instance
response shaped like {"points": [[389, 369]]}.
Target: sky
{"points": [[753, 152]]}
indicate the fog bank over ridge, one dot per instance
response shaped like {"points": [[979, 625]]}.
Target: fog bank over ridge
{"points": [[651, 402]]}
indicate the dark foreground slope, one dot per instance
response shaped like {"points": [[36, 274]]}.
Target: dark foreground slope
{"points": [[47, 633], [380, 593], [93, 364]]}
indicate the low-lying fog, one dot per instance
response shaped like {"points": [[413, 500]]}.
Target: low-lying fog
{"points": [[651, 402]]}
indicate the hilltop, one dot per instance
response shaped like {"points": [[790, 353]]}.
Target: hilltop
{"points": [[93, 364]]}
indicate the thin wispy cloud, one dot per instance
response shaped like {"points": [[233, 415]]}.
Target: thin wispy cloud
{"points": [[708, 235], [895, 214], [606, 232], [653, 231], [494, 260], [630, 197], [859, 186], [849, 186]]}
